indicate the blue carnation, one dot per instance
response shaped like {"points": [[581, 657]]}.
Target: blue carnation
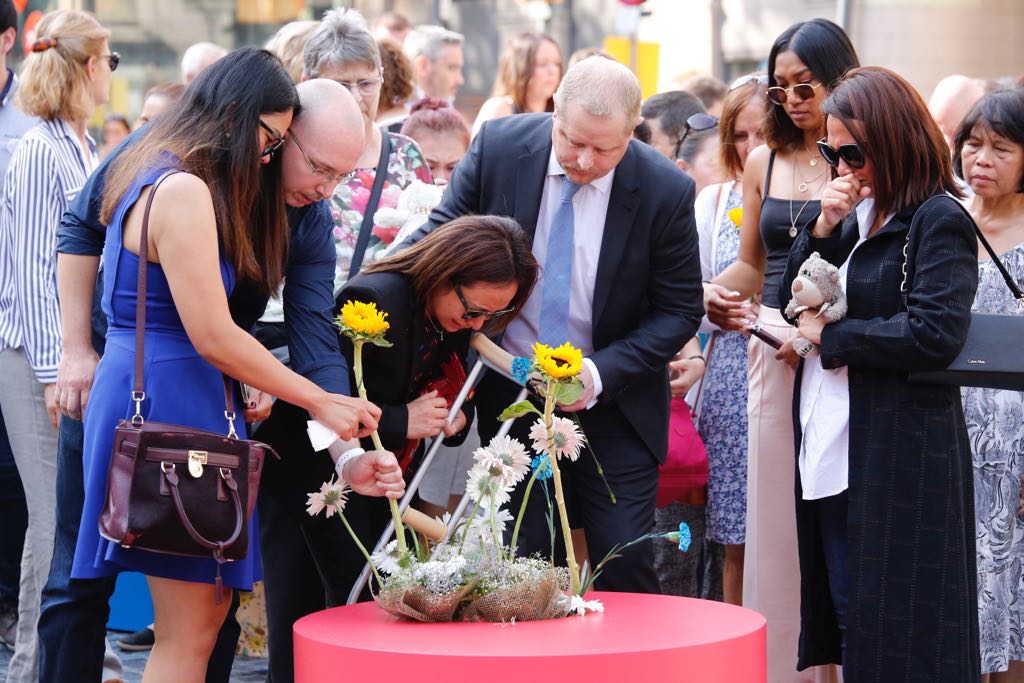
{"points": [[684, 536], [543, 467], [521, 369]]}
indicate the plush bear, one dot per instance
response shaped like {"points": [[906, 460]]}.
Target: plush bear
{"points": [[816, 286]]}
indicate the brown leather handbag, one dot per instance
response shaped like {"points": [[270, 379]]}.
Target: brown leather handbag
{"points": [[174, 489]]}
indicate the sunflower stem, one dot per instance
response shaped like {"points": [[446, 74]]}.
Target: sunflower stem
{"points": [[556, 476], [396, 515]]}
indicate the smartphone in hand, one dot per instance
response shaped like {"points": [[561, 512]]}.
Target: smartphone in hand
{"points": [[767, 337]]}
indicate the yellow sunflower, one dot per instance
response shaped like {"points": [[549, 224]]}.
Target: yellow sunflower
{"points": [[736, 216], [558, 363], [362, 319]]}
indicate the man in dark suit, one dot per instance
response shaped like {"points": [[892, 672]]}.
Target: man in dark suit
{"points": [[621, 281]]}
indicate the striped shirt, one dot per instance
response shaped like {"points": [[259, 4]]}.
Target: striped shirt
{"points": [[46, 172]]}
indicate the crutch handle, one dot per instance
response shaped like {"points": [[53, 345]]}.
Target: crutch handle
{"points": [[492, 354]]}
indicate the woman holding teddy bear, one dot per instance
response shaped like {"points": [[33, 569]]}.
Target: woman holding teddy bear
{"points": [[885, 517]]}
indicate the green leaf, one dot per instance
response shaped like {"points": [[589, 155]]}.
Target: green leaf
{"points": [[567, 394], [517, 410], [381, 342]]}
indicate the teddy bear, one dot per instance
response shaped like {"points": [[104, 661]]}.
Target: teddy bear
{"points": [[393, 225], [817, 286]]}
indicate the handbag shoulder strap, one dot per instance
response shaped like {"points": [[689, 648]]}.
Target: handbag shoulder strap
{"points": [[1010, 283], [366, 228], [138, 391]]}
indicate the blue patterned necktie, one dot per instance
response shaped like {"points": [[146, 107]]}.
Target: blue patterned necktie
{"points": [[554, 299]]}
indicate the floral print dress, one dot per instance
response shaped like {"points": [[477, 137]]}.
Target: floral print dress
{"points": [[995, 423], [348, 205], [722, 423]]}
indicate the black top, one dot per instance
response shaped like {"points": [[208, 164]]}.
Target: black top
{"points": [[780, 219]]}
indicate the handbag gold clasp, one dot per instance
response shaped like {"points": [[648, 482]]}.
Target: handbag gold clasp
{"points": [[196, 460]]}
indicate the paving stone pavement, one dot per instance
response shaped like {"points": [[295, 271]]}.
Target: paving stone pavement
{"points": [[246, 669]]}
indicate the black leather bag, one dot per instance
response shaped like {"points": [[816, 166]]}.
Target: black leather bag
{"points": [[174, 489], [990, 357]]}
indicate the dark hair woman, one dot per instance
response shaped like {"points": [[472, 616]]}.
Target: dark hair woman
{"points": [[217, 219], [782, 184], [885, 508], [528, 75], [989, 156], [470, 274]]}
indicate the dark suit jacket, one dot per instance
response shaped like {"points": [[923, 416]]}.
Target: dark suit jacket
{"points": [[389, 372], [648, 298], [911, 584]]}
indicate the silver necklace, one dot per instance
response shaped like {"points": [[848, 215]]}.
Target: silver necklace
{"points": [[793, 221], [804, 182]]}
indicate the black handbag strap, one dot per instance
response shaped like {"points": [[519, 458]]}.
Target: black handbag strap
{"points": [[1010, 283], [138, 391], [371, 205]]}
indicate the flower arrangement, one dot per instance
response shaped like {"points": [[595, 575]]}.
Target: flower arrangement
{"points": [[471, 574]]}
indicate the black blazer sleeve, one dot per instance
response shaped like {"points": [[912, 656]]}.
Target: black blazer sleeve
{"points": [[943, 278]]}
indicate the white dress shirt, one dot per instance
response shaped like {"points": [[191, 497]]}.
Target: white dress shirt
{"points": [[590, 208], [825, 405]]}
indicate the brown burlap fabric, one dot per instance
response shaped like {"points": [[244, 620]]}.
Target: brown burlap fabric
{"points": [[542, 598]]}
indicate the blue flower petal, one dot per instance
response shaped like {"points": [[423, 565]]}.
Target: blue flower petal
{"points": [[521, 369], [543, 467], [684, 537]]}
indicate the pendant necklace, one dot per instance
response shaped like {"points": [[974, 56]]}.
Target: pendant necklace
{"points": [[439, 331], [793, 221], [813, 157], [805, 183]]}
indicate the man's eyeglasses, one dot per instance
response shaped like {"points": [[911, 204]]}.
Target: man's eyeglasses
{"points": [[327, 176], [851, 154], [472, 313], [276, 140], [367, 87], [697, 122], [800, 92], [113, 59]]}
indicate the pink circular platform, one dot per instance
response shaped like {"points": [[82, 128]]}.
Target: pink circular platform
{"points": [[637, 638]]}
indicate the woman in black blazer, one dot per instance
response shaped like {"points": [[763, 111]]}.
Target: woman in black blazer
{"points": [[471, 273], [885, 517]]}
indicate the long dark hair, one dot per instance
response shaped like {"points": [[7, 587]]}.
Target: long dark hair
{"points": [[213, 133], [892, 127], [467, 251], [826, 50]]}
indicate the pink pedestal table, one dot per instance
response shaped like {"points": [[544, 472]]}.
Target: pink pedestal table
{"points": [[638, 638]]}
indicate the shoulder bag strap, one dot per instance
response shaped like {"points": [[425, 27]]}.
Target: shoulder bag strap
{"points": [[138, 392], [1010, 283], [371, 205]]}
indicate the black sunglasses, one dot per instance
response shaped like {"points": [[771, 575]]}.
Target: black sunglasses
{"points": [[113, 59], [276, 138], [851, 154], [472, 313], [697, 122]]}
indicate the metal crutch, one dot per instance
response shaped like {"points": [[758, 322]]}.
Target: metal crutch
{"points": [[492, 356]]}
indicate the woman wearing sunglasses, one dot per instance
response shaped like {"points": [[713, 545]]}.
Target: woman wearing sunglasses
{"points": [[885, 505], [470, 274], [782, 184], [63, 80]]}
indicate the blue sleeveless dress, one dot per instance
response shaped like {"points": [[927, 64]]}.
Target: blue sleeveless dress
{"points": [[181, 388]]}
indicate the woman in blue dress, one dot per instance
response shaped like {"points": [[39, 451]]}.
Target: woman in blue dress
{"points": [[218, 219]]}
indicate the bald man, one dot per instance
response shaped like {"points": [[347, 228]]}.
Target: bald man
{"points": [[72, 623], [952, 98]]}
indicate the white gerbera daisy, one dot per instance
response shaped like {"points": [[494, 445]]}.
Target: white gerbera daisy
{"points": [[581, 606], [386, 559], [485, 488], [569, 441], [504, 457], [332, 497]]}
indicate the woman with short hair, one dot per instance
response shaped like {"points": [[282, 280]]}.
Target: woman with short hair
{"points": [[442, 135], [63, 79], [989, 156], [885, 505]]}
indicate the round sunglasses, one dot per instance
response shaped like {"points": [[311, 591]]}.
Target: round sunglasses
{"points": [[800, 92], [851, 154], [698, 122]]}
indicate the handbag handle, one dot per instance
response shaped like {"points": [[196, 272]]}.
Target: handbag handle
{"points": [[172, 480], [138, 392], [371, 205], [1010, 283]]}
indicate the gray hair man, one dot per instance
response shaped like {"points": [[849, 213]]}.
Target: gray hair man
{"points": [[621, 283], [197, 57], [436, 56]]}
